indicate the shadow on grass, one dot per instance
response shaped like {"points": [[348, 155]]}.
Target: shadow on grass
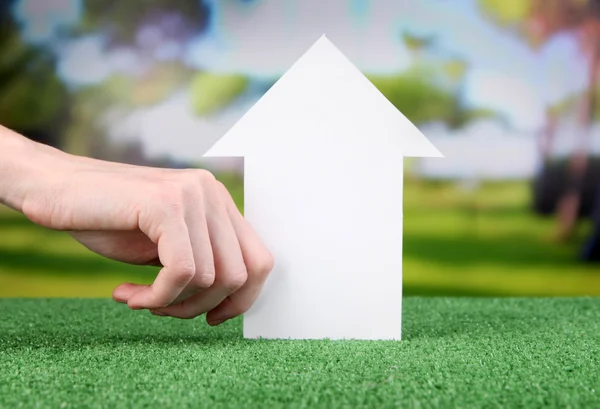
{"points": [[78, 336], [73, 324], [74, 330], [31, 262]]}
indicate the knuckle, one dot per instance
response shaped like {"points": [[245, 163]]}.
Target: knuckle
{"points": [[175, 191], [220, 187], [205, 276], [189, 186], [184, 272], [171, 199], [205, 176], [262, 265], [215, 186], [235, 280], [222, 191]]}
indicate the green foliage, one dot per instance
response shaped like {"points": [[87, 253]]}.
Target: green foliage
{"points": [[484, 243], [421, 100], [119, 95], [506, 12], [31, 95], [32, 101], [455, 69], [416, 97], [157, 84], [536, 21], [211, 92], [417, 43]]}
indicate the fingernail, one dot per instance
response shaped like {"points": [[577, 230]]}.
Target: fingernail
{"points": [[160, 314], [216, 321]]}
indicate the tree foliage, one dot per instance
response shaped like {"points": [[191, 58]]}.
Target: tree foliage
{"points": [[421, 100], [507, 13], [31, 95], [538, 20], [212, 92]]}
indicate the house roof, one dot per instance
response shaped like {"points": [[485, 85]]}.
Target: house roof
{"points": [[323, 103]]}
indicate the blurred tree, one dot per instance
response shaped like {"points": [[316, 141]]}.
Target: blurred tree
{"points": [[418, 98], [32, 97], [115, 99], [430, 90], [417, 45], [156, 32], [36, 102], [143, 24], [508, 13], [537, 21], [212, 92]]}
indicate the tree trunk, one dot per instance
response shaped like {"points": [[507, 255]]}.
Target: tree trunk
{"points": [[568, 206]]}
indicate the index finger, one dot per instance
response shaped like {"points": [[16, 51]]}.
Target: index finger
{"points": [[177, 257]]}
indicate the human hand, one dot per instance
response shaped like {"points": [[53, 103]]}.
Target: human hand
{"points": [[182, 220]]}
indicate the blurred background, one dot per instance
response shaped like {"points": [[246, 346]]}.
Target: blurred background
{"points": [[506, 89]]}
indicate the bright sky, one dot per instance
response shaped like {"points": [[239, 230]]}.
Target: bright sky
{"points": [[483, 150], [504, 74], [41, 18], [264, 38]]}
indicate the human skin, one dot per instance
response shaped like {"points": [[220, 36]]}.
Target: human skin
{"points": [[184, 221]]}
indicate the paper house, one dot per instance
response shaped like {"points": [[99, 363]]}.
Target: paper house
{"points": [[323, 154]]}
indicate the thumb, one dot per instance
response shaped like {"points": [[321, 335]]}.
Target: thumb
{"points": [[123, 292], [176, 255]]}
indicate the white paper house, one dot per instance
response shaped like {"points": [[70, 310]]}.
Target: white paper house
{"points": [[323, 154]]}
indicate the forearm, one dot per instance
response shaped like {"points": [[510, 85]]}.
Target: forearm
{"points": [[24, 166], [30, 170]]}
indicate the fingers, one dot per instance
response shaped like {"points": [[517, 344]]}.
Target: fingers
{"points": [[213, 261], [259, 264], [202, 247], [123, 292], [228, 260], [177, 257], [204, 261]]}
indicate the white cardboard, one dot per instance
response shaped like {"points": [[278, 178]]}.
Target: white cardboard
{"points": [[323, 153]]}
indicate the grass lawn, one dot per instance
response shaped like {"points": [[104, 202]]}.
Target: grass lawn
{"points": [[456, 352], [456, 243]]}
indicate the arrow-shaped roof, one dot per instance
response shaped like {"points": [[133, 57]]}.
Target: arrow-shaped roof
{"points": [[323, 103]]}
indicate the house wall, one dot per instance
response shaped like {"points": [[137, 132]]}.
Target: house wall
{"points": [[334, 227]]}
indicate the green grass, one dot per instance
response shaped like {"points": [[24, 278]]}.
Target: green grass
{"points": [[456, 243], [455, 352]]}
